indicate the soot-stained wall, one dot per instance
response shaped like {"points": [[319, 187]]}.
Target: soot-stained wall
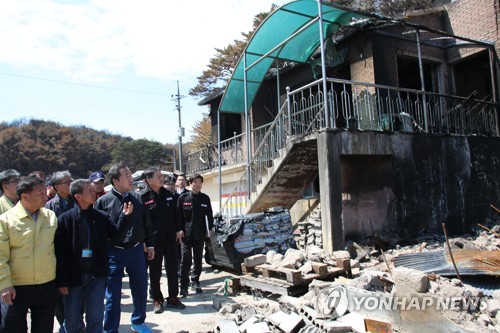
{"points": [[408, 184], [442, 179]]}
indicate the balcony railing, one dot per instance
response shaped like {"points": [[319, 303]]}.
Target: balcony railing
{"points": [[206, 159], [353, 106]]}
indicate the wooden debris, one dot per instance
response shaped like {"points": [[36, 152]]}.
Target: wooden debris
{"points": [[375, 326]]}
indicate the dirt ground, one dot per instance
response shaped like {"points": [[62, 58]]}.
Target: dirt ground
{"points": [[199, 315]]}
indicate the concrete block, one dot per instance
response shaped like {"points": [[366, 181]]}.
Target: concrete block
{"points": [[287, 323], [246, 313], [255, 260], [218, 303], [492, 307], [270, 255], [232, 307], [261, 327], [341, 255], [227, 326], [411, 278], [306, 267]]}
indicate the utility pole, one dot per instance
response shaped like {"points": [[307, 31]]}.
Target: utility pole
{"points": [[181, 129]]}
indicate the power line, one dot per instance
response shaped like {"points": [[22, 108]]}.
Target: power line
{"points": [[84, 84]]}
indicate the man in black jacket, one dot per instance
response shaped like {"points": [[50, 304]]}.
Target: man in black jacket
{"points": [[82, 265], [126, 251], [161, 206], [194, 212]]}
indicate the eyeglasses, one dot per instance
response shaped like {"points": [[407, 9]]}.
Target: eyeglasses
{"points": [[16, 180]]}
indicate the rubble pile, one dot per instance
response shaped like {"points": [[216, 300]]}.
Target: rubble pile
{"points": [[408, 300], [309, 232], [265, 232]]}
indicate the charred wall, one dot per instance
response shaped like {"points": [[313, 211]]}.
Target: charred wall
{"points": [[406, 185], [442, 179]]}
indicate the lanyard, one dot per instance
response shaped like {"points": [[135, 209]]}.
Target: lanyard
{"points": [[87, 224]]}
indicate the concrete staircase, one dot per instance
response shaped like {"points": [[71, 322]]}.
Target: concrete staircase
{"points": [[289, 174]]}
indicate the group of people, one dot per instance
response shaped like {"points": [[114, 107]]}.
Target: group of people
{"points": [[65, 244]]}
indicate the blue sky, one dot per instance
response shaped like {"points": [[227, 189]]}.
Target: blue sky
{"points": [[58, 59]]}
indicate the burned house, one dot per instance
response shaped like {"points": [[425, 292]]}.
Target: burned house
{"points": [[391, 124]]}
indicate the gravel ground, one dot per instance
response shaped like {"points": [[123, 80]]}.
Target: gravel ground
{"points": [[199, 315]]}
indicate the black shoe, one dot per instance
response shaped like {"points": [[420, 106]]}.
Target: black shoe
{"points": [[158, 307], [173, 302], [184, 293], [196, 287]]}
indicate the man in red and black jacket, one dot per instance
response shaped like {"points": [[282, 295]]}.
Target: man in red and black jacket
{"points": [[194, 212], [160, 203]]}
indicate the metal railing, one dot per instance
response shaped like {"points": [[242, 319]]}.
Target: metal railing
{"points": [[208, 158], [268, 140], [361, 106], [365, 106]]}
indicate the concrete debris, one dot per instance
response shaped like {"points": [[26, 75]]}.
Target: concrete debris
{"points": [[255, 260], [261, 327], [411, 278], [286, 322], [309, 232], [351, 303], [250, 322], [227, 326], [245, 313]]}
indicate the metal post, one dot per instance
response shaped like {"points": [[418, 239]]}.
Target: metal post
{"points": [[289, 123], [494, 89], [219, 160], [181, 130], [422, 82], [323, 64], [235, 149], [247, 126]]}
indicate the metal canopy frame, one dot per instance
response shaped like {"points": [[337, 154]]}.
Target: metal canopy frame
{"points": [[343, 17]]}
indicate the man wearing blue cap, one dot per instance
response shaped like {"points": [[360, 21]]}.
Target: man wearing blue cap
{"points": [[97, 181]]}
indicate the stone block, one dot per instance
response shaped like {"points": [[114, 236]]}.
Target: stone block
{"points": [[287, 323], [255, 260], [411, 278], [218, 303], [341, 255], [232, 307], [261, 327], [227, 326]]}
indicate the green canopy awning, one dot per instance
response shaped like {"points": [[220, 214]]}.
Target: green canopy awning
{"points": [[291, 32]]}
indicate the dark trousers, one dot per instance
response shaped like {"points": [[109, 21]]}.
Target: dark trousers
{"points": [[40, 300], [179, 259], [192, 250], [166, 251], [134, 261], [59, 312]]}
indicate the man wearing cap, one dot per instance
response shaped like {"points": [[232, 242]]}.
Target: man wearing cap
{"points": [[8, 182], [97, 181]]}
